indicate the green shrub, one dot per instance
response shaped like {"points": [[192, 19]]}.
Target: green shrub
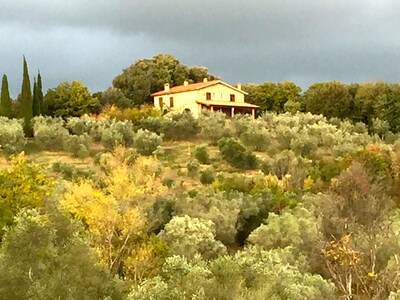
{"points": [[212, 125], [292, 106], [77, 145], [251, 273], [188, 236], [380, 127], [325, 170], [200, 152], [179, 126], [240, 124], [193, 167], [134, 114], [283, 163], [375, 159], [107, 161], [324, 133], [285, 135], [344, 149], [360, 127], [168, 182], [335, 121], [129, 156], [266, 166], [118, 133], [304, 145], [152, 124], [54, 246], [222, 208], [97, 125], [70, 172], [81, 125], [88, 125], [233, 182], [146, 142], [49, 133], [236, 154], [12, 137], [207, 177], [111, 138], [257, 137], [363, 139], [296, 227], [163, 210]]}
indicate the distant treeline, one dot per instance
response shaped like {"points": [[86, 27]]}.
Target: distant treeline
{"points": [[376, 104], [130, 89], [373, 103]]}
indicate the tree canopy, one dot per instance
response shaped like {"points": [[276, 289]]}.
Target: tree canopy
{"points": [[332, 99], [26, 111], [69, 99], [273, 96], [149, 75], [46, 256], [23, 186], [37, 96], [5, 100]]}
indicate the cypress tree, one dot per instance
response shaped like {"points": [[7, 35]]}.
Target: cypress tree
{"points": [[36, 103], [40, 92], [26, 101], [5, 100]]}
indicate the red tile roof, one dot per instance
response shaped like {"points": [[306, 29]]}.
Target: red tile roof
{"points": [[193, 87]]}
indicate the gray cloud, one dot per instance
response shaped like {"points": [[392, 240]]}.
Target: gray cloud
{"points": [[248, 41]]}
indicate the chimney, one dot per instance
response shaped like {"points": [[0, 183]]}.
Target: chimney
{"points": [[239, 86], [166, 87], [185, 83], [205, 80]]}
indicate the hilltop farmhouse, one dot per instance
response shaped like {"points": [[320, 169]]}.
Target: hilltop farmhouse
{"points": [[194, 97]]}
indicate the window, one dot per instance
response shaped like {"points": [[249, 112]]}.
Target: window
{"points": [[171, 102], [232, 97], [160, 102], [208, 96]]}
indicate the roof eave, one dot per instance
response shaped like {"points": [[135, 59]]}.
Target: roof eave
{"points": [[206, 85]]}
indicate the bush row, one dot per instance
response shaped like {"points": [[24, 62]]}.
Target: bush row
{"points": [[77, 134]]}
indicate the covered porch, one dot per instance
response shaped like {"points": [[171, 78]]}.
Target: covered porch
{"points": [[229, 108]]}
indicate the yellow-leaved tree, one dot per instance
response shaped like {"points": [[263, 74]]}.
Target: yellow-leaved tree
{"points": [[115, 212], [24, 185]]}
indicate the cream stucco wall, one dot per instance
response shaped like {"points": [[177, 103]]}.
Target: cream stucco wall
{"points": [[187, 100], [220, 92], [182, 101]]}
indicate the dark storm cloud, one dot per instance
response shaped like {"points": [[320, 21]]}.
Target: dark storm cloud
{"points": [[253, 40]]}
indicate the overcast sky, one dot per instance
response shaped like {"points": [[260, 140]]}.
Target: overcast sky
{"points": [[304, 41]]}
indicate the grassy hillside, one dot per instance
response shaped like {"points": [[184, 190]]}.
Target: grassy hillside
{"points": [[286, 206]]}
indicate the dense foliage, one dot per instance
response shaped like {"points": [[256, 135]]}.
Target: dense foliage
{"points": [[235, 154], [69, 99], [37, 96], [149, 75], [273, 96], [26, 103], [5, 100], [47, 256], [12, 136], [134, 205], [376, 104], [24, 186]]}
